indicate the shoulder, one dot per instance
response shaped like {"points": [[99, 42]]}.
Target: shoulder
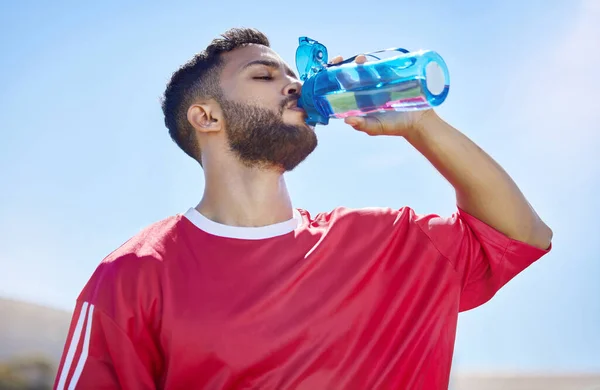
{"points": [[137, 264], [343, 212], [399, 222], [154, 240], [152, 244], [385, 216]]}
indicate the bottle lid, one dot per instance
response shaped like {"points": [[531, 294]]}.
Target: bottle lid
{"points": [[311, 57]]}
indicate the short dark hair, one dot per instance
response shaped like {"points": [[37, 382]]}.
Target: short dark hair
{"points": [[199, 78]]}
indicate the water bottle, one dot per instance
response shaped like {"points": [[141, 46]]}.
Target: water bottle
{"points": [[405, 82]]}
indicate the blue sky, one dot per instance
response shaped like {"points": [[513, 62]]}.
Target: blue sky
{"points": [[85, 161]]}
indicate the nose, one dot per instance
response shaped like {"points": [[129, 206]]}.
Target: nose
{"points": [[293, 88]]}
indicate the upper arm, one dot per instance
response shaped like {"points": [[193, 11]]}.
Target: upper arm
{"points": [[98, 354], [113, 337], [484, 258]]}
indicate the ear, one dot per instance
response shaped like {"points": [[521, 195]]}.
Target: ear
{"points": [[205, 117]]}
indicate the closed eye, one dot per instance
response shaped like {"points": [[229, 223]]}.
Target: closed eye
{"points": [[263, 78]]}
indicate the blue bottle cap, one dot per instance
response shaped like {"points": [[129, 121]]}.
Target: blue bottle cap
{"points": [[311, 57]]}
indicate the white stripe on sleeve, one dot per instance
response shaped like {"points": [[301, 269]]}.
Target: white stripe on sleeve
{"points": [[84, 349], [73, 343]]}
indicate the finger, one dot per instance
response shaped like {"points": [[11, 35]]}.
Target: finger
{"points": [[336, 60], [360, 59], [370, 124]]}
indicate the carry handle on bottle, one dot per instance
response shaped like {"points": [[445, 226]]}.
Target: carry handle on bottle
{"points": [[312, 57], [371, 54]]}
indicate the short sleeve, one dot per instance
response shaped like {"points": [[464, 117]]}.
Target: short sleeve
{"points": [[112, 340], [98, 354], [485, 258]]}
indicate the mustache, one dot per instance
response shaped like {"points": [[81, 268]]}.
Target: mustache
{"points": [[288, 100]]}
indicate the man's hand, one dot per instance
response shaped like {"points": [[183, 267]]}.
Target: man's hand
{"points": [[387, 123]]}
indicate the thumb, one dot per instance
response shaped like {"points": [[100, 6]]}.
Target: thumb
{"points": [[370, 124]]}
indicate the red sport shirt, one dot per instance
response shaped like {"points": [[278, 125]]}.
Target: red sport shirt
{"points": [[350, 299]]}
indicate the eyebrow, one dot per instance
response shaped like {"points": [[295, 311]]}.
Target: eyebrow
{"points": [[271, 64]]}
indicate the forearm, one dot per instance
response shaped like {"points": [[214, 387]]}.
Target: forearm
{"points": [[483, 188]]}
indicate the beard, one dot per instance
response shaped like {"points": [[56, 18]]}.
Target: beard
{"points": [[260, 138]]}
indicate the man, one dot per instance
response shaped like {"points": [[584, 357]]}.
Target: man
{"points": [[244, 291]]}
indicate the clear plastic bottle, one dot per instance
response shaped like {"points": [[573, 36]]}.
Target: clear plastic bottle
{"points": [[408, 81]]}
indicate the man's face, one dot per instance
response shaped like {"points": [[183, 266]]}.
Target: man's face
{"points": [[263, 124]]}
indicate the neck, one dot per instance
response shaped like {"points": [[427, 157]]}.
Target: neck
{"points": [[245, 197]]}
